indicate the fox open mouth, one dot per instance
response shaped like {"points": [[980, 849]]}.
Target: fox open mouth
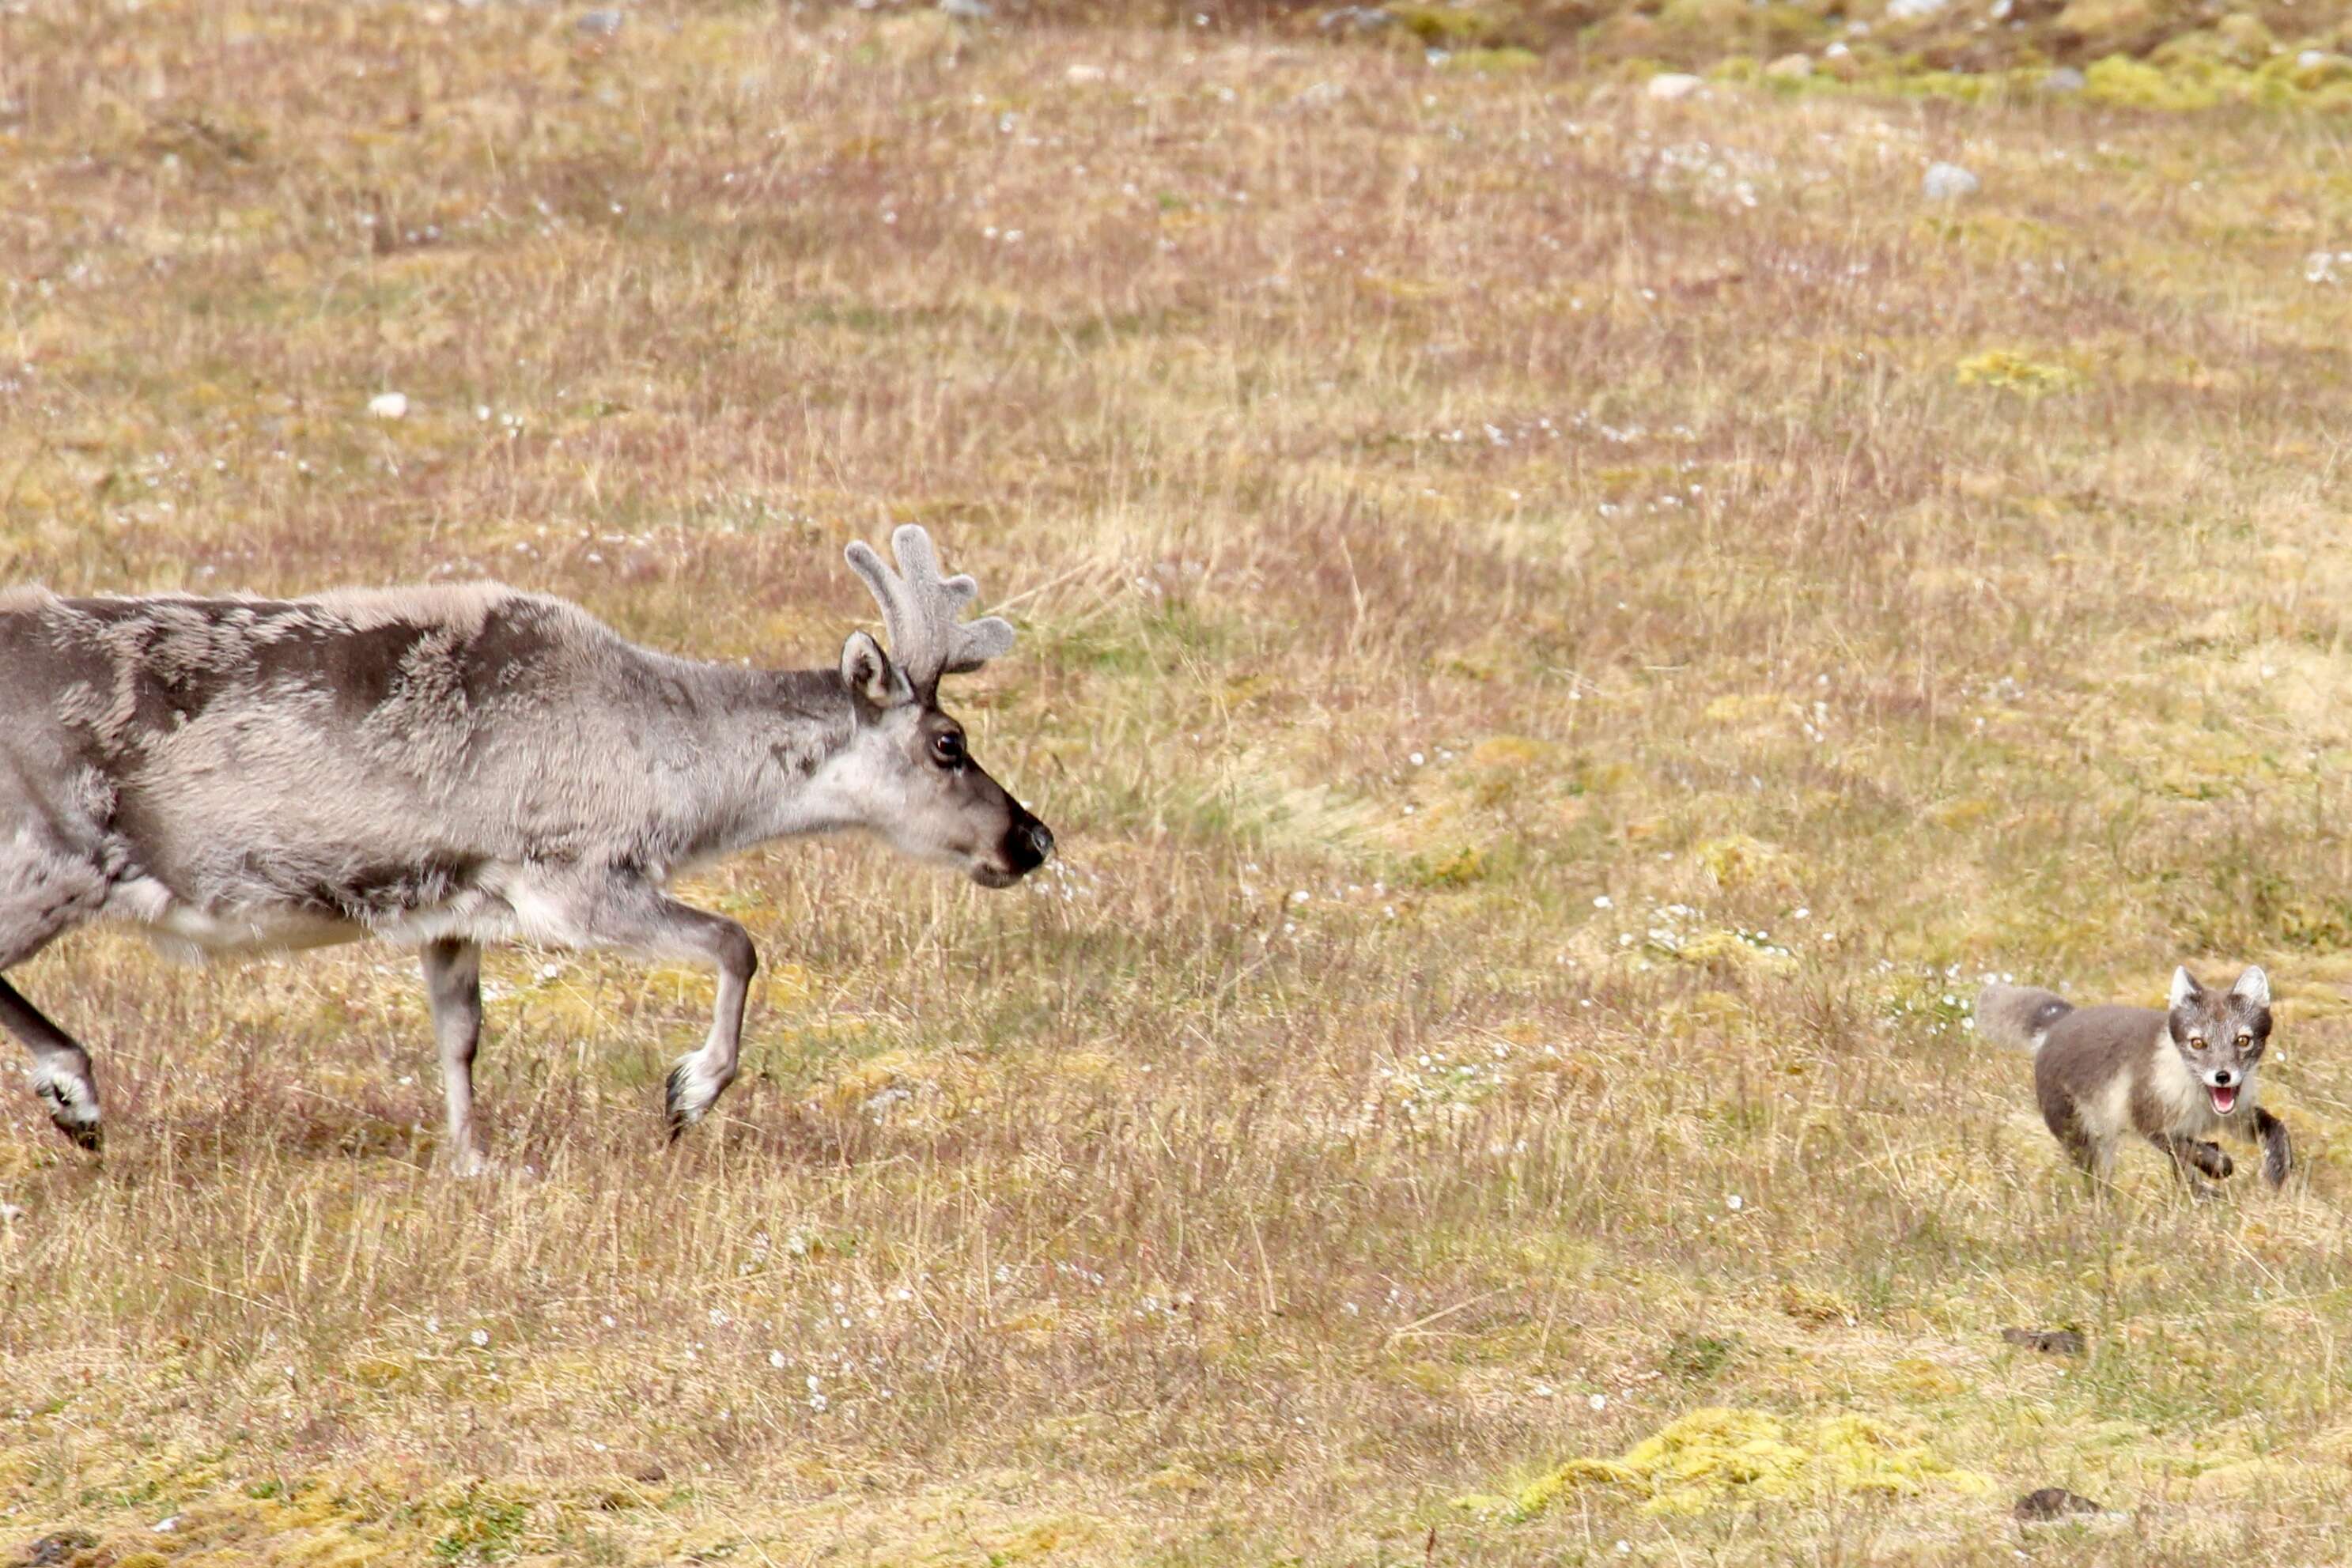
{"points": [[2225, 1097]]}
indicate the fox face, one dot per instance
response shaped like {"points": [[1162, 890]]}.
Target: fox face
{"points": [[2221, 1035]]}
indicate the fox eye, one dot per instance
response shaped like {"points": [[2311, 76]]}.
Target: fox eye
{"points": [[946, 748], [2244, 1039], [2196, 1042]]}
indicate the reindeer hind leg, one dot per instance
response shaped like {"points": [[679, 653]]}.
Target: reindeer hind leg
{"points": [[45, 891]]}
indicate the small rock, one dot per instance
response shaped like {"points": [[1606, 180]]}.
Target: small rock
{"points": [[967, 10], [389, 405], [2049, 1342], [1791, 67], [1947, 183], [2051, 1504], [51, 1550], [649, 1475], [1668, 86], [601, 23], [2066, 79], [1356, 19]]}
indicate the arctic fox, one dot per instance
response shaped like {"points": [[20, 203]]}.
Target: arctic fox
{"points": [[2175, 1076]]}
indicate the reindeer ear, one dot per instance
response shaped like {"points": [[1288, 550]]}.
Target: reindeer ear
{"points": [[2253, 985], [2184, 987], [870, 675]]}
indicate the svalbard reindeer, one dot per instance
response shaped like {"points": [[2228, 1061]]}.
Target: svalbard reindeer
{"points": [[450, 766]]}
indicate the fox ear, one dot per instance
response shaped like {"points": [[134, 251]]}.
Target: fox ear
{"points": [[2253, 985], [2184, 987]]}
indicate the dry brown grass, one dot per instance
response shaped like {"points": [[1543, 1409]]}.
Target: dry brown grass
{"points": [[1438, 501]]}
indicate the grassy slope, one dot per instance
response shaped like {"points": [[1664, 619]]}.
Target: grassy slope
{"points": [[1440, 501]]}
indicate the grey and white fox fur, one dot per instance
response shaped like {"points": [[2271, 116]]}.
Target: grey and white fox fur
{"points": [[2175, 1075], [445, 766]]}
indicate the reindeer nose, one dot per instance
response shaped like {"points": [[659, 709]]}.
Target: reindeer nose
{"points": [[1041, 841]]}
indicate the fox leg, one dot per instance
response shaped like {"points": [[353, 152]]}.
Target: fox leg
{"points": [[2089, 1156], [2276, 1156], [2188, 1153]]}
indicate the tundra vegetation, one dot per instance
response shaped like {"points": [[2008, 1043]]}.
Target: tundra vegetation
{"points": [[1563, 630]]}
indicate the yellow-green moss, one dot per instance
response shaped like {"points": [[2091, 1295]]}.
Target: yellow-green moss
{"points": [[1717, 1455], [2004, 371]]}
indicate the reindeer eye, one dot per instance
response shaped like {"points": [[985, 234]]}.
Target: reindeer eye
{"points": [[947, 747]]}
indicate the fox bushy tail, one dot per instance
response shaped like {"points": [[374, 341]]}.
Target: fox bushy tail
{"points": [[2018, 1017]]}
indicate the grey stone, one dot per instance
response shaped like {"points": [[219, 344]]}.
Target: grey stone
{"points": [[1948, 182]]}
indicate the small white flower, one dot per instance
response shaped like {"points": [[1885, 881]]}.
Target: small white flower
{"points": [[776, 1359], [481, 1337], [1735, 1203], [1604, 902], [1416, 760], [165, 1526], [389, 405], [1599, 1402]]}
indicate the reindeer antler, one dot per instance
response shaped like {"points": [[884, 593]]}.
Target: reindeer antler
{"points": [[921, 610]]}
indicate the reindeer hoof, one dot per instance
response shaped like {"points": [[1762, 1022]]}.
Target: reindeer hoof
{"points": [[73, 1113], [674, 1111]]}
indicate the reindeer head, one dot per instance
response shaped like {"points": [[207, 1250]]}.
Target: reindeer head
{"points": [[927, 795]]}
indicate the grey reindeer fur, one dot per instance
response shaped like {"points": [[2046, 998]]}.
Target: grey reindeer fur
{"points": [[447, 767], [2162, 1072]]}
